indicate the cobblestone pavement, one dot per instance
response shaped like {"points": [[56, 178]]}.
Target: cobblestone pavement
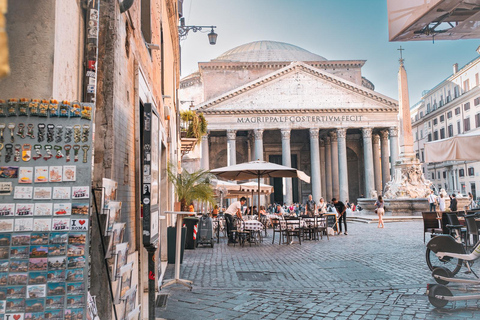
{"points": [[370, 273]]}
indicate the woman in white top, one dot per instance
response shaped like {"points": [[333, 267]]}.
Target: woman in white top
{"points": [[441, 202], [322, 206]]}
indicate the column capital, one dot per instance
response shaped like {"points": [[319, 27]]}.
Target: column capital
{"points": [[285, 134], [376, 139], [258, 133], [367, 132], [384, 135], [231, 134], [327, 140], [333, 135], [341, 133], [314, 133], [393, 131]]}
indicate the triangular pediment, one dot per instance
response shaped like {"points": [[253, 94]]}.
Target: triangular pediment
{"points": [[299, 87]]}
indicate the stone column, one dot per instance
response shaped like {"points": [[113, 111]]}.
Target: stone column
{"points": [[393, 148], [368, 161], [385, 158], [315, 164], [328, 169], [287, 161], [323, 164], [335, 182], [342, 163], [376, 164], [204, 160], [258, 144], [231, 147]]}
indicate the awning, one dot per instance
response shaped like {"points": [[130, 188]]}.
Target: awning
{"points": [[464, 147]]}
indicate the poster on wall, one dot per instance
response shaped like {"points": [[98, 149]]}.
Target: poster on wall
{"points": [[44, 210]]}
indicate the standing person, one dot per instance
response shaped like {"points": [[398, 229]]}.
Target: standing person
{"points": [[322, 206], [310, 207], [233, 211], [380, 211], [431, 200], [470, 201], [453, 203], [441, 202], [342, 212]]}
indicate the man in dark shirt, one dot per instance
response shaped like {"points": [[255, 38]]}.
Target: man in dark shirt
{"points": [[342, 212], [310, 206], [453, 203]]}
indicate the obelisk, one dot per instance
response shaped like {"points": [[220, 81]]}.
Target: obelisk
{"points": [[406, 137]]}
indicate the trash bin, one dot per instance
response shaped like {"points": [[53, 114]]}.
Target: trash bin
{"points": [[190, 223], [172, 241]]}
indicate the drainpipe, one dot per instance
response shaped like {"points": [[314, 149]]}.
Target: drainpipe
{"points": [[125, 5]]}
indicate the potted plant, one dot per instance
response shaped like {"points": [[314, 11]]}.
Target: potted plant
{"points": [[194, 125]]}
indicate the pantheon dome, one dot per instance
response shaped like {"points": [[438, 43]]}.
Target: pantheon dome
{"points": [[264, 51]]}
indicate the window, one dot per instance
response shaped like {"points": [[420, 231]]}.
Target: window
{"points": [[423, 156], [442, 118], [466, 85], [416, 117], [146, 21], [471, 171], [476, 101], [456, 91], [416, 136], [457, 111], [444, 174], [459, 127], [429, 124], [435, 121], [433, 175], [450, 130], [461, 173], [442, 133], [428, 107], [421, 134], [466, 106], [449, 114], [477, 120], [421, 114], [449, 97], [435, 135], [429, 137], [466, 124], [438, 175]]}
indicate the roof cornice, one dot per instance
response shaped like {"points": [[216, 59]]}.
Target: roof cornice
{"points": [[297, 111], [219, 65]]}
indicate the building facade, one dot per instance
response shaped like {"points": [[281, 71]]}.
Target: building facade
{"points": [[450, 108], [277, 102]]}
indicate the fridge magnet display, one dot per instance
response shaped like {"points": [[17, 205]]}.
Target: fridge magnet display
{"points": [[58, 238], [4, 252], [55, 173], [56, 289], [41, 174], [109, 191], [75, 250], [60, 224], [74, 275], [14, 305], [116, 237], [18, 266], [24, 209], [79, 225], [56, 276], [82, 192], [5, 188], [43, 209], [114, 209], [19, 252], [23, 192], [21, 239], [42, 193], [23, 224], [62, 209], [75, 288], [69, 173], [57, 250], [36, 291], [8, 172], [76, 262], [80, 208], [7, 209], [57, 263], [6, 225], [60, 193], [42, 224], [39, 237], [25, 175], [38, 251], [77, 238], [38, 264], [16, 292], [37, 278], [75, 301], [17, 279], [4, 266], [5, 239]]}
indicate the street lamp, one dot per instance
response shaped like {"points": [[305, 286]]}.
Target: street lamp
{"points": [[183, 31]]}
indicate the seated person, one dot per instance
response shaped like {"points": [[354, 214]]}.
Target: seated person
{"points": [[263, 212], [279, 211]]}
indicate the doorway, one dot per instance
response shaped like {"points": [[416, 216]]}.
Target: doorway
{"points": [[277, 183]]}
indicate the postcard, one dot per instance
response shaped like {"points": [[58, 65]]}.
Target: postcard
{"points": [[23, 192], [134, 315], [79, 225], [36, 291], [61, 193], [39, 237], [54, 303], [56, 276], [55, 173], [42, 224], [5, 188], [73, 313], [7, 209], [24, 209], [60, 224], [77, 238], [116, 237], [34, 315], [62, 209], [38, 264], [113, 211], [8, 172], [80, 208], [130, 299], [76, 301], [58, 238], [6, 225], [56, 289], [4, 252], [37, 278], [25, 175], [18, 265], [121, 250], [16, 292], [19, 252], [69, 173], [5, 240], [23, 224], [35, 305], [76, 262], [57, 250], [57, 263], [75, 250], [3, 279], [17, 279], [15, 305], [53, 314], [76, 288], [22, 239], [109, 191], [75, 275], [125, 277], [4, 266], [3, 294], [81, 192], [43, 209], [41, 174], [42, 193], [40, 251]]}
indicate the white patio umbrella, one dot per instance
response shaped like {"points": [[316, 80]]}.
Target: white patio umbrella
{"points": [[257, 170]]}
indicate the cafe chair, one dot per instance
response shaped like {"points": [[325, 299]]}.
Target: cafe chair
{"points": [[430, 224], [294, 229], [278, 228]]}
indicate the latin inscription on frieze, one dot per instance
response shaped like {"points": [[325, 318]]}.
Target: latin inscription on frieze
{"points": [[300, 119]]}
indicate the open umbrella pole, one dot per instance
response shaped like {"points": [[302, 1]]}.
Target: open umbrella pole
{"points": [[258, 197]]}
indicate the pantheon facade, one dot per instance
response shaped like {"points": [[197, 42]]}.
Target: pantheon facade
{"points": [[277, 102]]}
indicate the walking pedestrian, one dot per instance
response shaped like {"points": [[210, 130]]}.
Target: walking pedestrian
{"points": [[431, 200], [453, 203], [310, 207], [380, 210], [441, 202], [342, 212], [233, 211]]}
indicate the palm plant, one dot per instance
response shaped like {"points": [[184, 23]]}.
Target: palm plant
{"points": [[195, 124], [191, 186]]}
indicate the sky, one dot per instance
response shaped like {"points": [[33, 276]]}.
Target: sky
{"points": [[334, 29]]}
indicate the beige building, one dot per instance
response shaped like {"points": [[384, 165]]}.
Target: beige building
{"points": [[280, 103], [451, 108]]}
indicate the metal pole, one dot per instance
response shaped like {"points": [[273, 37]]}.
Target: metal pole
{"points": [[151, 283]]}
